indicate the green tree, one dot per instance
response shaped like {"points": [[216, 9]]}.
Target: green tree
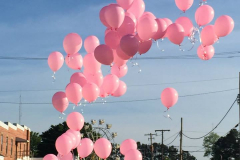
{"points": [[226, 147], [208, 143], [35, 139], [170, 152]]}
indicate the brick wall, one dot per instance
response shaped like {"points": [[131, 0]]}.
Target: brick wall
{"points": [[9, 147]]}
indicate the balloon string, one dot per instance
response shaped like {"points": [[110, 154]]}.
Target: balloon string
{"points": [[180, 48], [192, 37], [135, 64], [168, 115], [159, 46], [61, 116], [104, 100], [53, 76]]}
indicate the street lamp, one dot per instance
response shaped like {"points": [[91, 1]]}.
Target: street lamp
{"points": [[109, 126], [93, 121], [101, 121], [114, 134]]}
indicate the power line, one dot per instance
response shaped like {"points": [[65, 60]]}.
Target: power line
{"points": [[134, 85], [126, 101], [215, 126], [173, 140], [139, 58], [171, 137], [184, 82]]}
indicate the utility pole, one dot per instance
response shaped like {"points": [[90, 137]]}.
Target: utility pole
{"points": [[162, 137], [181, 132], [151, 138], [20, 109]]}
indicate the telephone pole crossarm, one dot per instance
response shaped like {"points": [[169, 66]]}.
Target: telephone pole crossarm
{"points": [[151, 138]]}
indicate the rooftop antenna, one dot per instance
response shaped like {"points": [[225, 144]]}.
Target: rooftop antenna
{"points": [[20, 109]]}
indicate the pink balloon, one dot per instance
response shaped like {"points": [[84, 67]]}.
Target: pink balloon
{"points": [[128, 145], [169, 22], [147, 27], [128, 25], [204, 15], [114, 15], [90, 63], [107, 31], [122, 54], [104, 54], [77, 136], [125, 4], [187, 25], [68, 156], [102, 93], [133, 154], [132, 16], [184, 4], [79, 78], [90, 92], [205, 53], [208, 36], [162, 28], [74, 61], [137, 8], [74, 92], [60, 101], [121, 90], [102, 148], [102, 16], [175, 33], [119, 71], [72, 137], [85, 147], [147, 14], [129, 45], [90, 43], [169, 97], [55, 61], [72, 43], [50, 157], [223, 25], [110, 83], [117, 60], [112, 39], [96, 78], [63, 144], [75, 121], [144, 46]]}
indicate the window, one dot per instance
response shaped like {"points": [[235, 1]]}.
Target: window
{"points": [[1, 142], [11, 146], [6, 145]]}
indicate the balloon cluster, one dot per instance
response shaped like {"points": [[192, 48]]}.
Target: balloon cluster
{"points": [[129, 30], [71, 139]]}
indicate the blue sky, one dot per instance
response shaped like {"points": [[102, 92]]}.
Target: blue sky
{"points": [[36, 28]]}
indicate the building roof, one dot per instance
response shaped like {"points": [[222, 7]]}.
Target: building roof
{"points": [[14, 126]]}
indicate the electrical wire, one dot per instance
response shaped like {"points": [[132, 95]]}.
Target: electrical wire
{"points": [[215, 126], [173, 140], [134, 85], [123, 101], [170, 137], [139, 58]]}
